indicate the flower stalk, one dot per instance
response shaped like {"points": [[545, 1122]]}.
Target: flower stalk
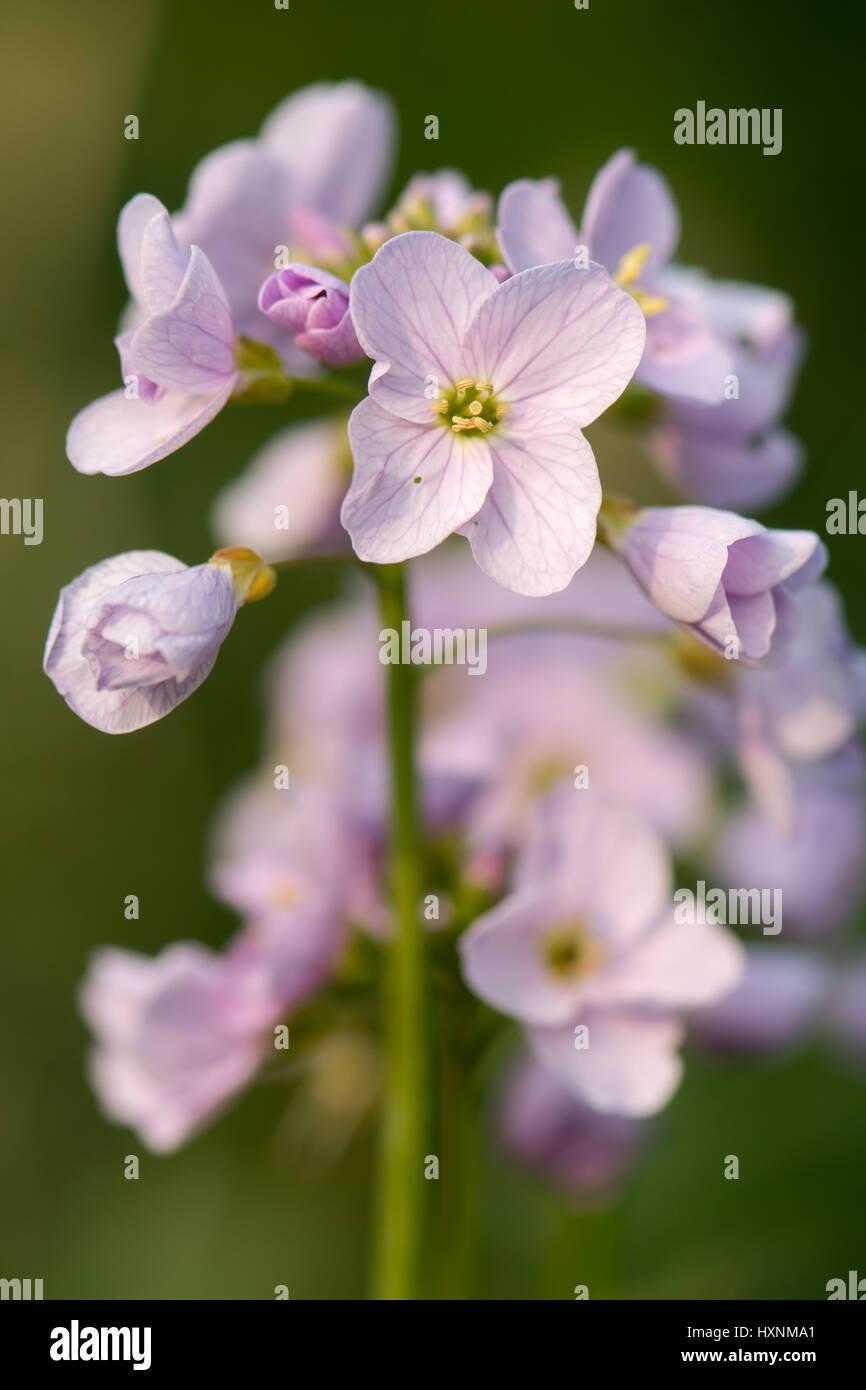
{"points": [[404, 1120]]}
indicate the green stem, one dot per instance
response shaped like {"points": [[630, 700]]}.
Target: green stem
{"points": [[404, 1121]]}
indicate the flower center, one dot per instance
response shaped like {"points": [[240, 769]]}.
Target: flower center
{"points": [[469, 405], [570, 953], [627, 274]]}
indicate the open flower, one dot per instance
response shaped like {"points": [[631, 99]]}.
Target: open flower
{"points": [[588, 938], [177, 352], [320, 161], [723, 576], [477, 399], [134, 635], [631, 226]]}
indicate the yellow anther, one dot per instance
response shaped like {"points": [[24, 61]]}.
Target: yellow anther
{"points": [[502, 410], [484, 386], [650, 303], [631, 264], [475, 408], [464, 384], [483, 425], [441, 407]]}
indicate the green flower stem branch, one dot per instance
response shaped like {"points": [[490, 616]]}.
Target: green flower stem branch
{"points": [[405, 1117]]}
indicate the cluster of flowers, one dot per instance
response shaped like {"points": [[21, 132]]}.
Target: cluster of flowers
{"points": [[497, 334]]}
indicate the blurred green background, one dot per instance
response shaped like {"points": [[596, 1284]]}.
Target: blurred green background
{"points": [[519, 89]]}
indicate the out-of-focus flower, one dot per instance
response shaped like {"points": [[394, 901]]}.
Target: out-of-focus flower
{"points": [[473, 422], [314, 306], [775, 1006], [631, 226], [548, 1131], [177, 352], [287, 500], [134, 635], [726, 578], [846, 1015], [816, 865], [805, 710], [323, 157], [734, 454], [178, 1034], [588, 938]]}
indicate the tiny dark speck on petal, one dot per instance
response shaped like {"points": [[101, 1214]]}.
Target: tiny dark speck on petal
{"points": [[416, 480]]}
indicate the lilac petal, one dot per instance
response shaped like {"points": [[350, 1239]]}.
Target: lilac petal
{"points": [[765, 382], [117, 436], [557, 337], [630, 1067], [737, 311], [337, 141], [679, 555], [729, 473], [534, 225], [190, 346], [502, 960], [537, 525], [388, 515], [630, 204], [178, 620], [675, 966], [412, 307], [604, 861], [153, 263], [177, 1035], [683, 360], [112, 711], [758, 562], [238, 211]]}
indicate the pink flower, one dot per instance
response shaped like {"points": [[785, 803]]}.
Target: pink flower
{"points": [[477, 399], [177, 353], [729, 580], [321, 160], [547, 1130], [177, 1034], [631, 226], [588, 939], [314, 306], [136, 634]]}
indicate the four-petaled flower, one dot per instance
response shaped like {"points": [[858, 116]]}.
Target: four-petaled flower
{"points": [[478, 396]]}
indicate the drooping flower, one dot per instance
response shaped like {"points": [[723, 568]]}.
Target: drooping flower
{"points": [[136, 634], [587, 941], [477, 399], [313, 305], [630, 226], [728, 579], [287, 500], [177, 352]]}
